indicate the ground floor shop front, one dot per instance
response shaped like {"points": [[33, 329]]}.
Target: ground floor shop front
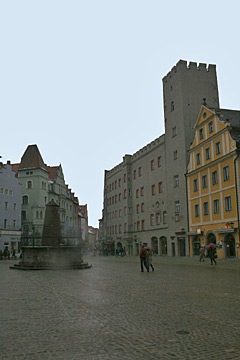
{"points": [[10, 241], [226, 239], [160, 243]]}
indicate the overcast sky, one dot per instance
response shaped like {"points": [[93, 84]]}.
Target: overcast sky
{"points": [[83, 79]]}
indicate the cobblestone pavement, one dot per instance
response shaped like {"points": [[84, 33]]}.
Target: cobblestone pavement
{"points": [[183, 310]]}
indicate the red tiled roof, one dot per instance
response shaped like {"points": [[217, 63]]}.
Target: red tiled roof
{"points": [[52, 170], [32, 159], [15, 168]]}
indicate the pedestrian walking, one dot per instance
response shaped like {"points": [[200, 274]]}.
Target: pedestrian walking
{"points": [[212, 255], [202, 253], [143, 259], [149, 259]]}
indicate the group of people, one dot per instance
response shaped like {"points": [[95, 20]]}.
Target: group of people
{"points": [[146, 259], [5, 254], [146, 256], [211, 252]]}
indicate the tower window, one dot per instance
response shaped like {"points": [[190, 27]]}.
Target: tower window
{"points": [[174, 131]]}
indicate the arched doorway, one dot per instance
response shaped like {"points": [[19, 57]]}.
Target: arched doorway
{"points": [[196, 244], [163, 245], [229, 246], [154, 244], [119, 250], [210, 238]]}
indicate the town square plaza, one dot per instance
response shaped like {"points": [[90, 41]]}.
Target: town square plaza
{"points": [[185, 309]]}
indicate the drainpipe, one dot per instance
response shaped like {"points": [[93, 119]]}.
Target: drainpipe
{"points": [[235, 171]]}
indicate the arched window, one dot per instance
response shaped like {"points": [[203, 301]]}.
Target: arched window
{"points": [[25, 199], [29, 184]]}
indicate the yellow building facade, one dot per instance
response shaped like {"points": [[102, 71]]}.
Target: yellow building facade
{"points": [[213, 182]]}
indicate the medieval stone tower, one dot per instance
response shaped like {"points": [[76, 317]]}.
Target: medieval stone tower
{"points": [[145, 197], [185, 88]]}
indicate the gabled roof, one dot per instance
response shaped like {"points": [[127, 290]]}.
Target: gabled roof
{"points": [[232, 116], [225, 115], [32, 159], [52, 170], [207, 111], [15, 167]]}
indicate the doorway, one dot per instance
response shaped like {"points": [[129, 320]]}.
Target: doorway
{"points": [[181, 247], [163, 245], [196, 244], [173, 249], [211, 239], [154, 244], [230, 248]]}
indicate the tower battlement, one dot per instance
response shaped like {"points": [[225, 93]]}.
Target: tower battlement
{"points": [[192, 66], [129, 159]]}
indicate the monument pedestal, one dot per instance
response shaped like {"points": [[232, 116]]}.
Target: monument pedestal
{"points": [[51, 258]]}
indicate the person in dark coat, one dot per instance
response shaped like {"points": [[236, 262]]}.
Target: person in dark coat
{"points": [[143, 259], [212, 255]]}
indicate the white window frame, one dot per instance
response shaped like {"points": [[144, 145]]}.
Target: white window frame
{"points": [[226, 175], [216, 209], [228, 203]]}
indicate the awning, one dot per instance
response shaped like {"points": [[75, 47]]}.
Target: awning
{"points": [[224, 231]]}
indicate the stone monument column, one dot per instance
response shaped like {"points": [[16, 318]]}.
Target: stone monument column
{"points": [[52, 227]]}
